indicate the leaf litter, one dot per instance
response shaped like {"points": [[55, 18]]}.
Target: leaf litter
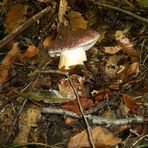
{"points": [[115, 73]]}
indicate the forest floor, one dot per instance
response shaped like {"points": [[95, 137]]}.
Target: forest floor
{"points": [[101, 103]]}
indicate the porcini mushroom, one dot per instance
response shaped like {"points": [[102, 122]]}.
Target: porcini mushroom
{"points": [[72, 47]]}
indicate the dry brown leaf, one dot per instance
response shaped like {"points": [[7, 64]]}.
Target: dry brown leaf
{"points": [[30, 52], [128, 70], [111, 67], [101, 136], [112, 49], [77, 21], [131, 104], [27, 120], [4, 73], [9, 59], [126, 44], [12, 55], [133, 68], [65, 87], [62, 10], [16, 15], [100, 95], [47, 41], [73, 105]]}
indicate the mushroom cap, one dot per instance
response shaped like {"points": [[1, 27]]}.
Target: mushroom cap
{"points": [[81, 38]]}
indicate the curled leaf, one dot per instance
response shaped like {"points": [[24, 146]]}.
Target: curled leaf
{"points": [[30, 52]]}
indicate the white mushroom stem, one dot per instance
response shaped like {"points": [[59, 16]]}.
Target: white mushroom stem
{"points": [[72, 57]]}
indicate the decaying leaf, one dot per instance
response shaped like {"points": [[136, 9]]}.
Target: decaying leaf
{"points": [[77, 21], [112, 67], [27, 120], [12, 55], [102, 137], [9, 59], [51, 96], [62, 10], [73, 105], [112, 49], [16, 15], [126, 45], [30, 52], [133, 68], [129, 70], [65, 87], [4, 74], [101, 95], [47, 41], [131, 104]]}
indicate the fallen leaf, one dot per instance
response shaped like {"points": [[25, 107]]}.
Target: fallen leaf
{"points": [[4, 74], [102, 138], [111, 67], [62, 10], [112, 49], [73, 105], [126, 45], [121, 128], [65, 87], [9, 59], [133, 68], [49, 96], [131, 104], [47, 41], [30, 52], [77, 21], [16, 15], [101, 94], [129, 69], [27, 120], [12, 55]]}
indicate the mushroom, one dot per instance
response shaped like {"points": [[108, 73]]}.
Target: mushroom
{"points": [[72, 47]]}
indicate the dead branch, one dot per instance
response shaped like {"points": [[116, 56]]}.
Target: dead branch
{"points": [[142, 19], [95, 119]]}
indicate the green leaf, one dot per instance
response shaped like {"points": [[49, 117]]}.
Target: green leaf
{"points": [[51, 96]]}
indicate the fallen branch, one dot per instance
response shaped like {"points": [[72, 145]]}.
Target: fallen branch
{"points": [[120, 10], [95, 119]]}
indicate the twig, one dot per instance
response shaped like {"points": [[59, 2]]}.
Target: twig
{"points": [[15, 121], [110, 122], [120, 10], [24, 26], [78, 100], [94, 119], [47, 110], [82, 112], [133, 145]]}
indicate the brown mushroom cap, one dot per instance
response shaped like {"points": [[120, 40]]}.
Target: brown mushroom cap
{"points": [[80, 38]]}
